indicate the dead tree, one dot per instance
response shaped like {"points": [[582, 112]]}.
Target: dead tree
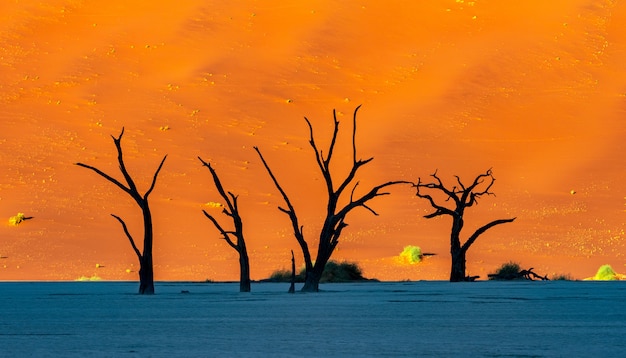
{"points": [[528, 275], [231, 209], [146, 270], [334, 221], [292, 286], [462, 197]]}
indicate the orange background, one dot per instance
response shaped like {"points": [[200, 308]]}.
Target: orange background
{"points": [[535, 90]]}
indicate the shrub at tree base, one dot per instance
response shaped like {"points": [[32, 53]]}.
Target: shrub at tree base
{"points": [[342, 272], [411, 255], [333, 272], [283, 276]]}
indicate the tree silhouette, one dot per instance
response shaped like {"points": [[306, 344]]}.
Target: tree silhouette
{"points": [[146, 270], [231, 209], [334, 221], [462, 197]]}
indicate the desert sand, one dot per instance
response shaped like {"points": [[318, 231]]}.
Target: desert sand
{"points": [[535, 90]]}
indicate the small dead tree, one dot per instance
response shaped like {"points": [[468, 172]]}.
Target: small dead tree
{"points": [[334, 221], [292, 286], [231, 209], [146, 270], [462, 197]]}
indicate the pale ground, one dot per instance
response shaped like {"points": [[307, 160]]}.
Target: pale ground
{"points": [[410, 319], [535, 90]]}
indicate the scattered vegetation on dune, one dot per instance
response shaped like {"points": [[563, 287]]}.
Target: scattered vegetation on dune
{"points": [[333, 272]]}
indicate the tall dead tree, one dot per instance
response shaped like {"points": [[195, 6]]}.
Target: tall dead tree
{"points": [[146, 270], [334, 221], [461, 197], [231, 209]]}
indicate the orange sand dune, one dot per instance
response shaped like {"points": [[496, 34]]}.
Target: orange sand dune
{"points": [[536, 90]]}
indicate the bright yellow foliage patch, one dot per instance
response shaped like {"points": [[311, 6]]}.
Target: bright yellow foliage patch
{"points": [[17, 219]]}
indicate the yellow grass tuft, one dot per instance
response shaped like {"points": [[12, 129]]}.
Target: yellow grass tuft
{"points": [[17, 219], [92, 278]]}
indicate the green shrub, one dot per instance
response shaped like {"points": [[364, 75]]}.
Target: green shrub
{"points": [[411, 254], [507, 271], [333, 272], [342, 272], [284, 275], [605, 273]]}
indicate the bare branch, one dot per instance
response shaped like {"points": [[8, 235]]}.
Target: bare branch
{"points": [[128, 235], [450, 193], [324, 163], [291, 211], [354, 134], [225, 234], [132, 188], [356, 164], [473, 196], [355, 167], [440, 210], [120, 160], [374, 192], [154, 179], [318, 155], [233, 199], [370, 209], [219, 187], [458, 180], [482, 229], [106, 176]]}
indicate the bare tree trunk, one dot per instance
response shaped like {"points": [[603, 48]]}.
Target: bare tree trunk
{"points": [[457, 272], [146, 270], [313, 277], [244, 271], [146, 276]]}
